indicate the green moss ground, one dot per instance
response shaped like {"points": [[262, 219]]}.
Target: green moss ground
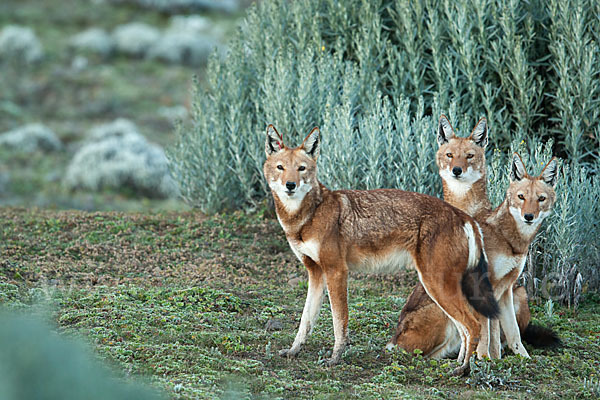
{"points": [[183, 300]]}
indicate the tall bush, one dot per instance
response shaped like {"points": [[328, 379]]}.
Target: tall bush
{"points": [[375, 76]]}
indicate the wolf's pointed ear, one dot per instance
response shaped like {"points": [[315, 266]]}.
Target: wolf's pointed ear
{"points": [[550, 172], [274, 141], [517, 171], [480, 133], [444, 131], [311, 143]]}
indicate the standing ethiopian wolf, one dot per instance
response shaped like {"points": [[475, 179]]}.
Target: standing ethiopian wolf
{"points": [[334, 232]]}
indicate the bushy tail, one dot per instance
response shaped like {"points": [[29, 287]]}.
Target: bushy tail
{"points": [[540, 336], [477, 288]]}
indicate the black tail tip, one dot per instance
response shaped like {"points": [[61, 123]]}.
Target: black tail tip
{"points": [[477, 287], [541, 337]]}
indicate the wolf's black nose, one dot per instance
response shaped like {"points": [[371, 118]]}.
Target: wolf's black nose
{"points": [[290, 186], [528, 217], [457, 171]]}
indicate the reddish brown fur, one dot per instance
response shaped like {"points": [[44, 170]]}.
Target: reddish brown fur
{"points": [[423, 325]]}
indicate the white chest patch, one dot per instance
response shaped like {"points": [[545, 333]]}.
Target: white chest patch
{"points": [[309, 248], [502, 265], [384, 264], [460, 187], [291, 204]]}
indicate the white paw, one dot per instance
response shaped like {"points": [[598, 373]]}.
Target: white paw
{"points": [[289, 353]]}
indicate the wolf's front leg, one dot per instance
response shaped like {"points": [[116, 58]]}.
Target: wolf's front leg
{"points": [[495, 343], [337, 287], [310, 313], [483, 348], [508, 321]]}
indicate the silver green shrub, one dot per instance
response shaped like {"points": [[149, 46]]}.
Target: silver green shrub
{"points": [[376, 75]]}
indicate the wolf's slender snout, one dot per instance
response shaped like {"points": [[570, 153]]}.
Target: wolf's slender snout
{"points": [[528, 217], [457, 171], [290, 185]]}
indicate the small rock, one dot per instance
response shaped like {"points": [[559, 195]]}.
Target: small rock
{"points": [[294, 282], [135, 39], [118, 128], [20, 43], [176, 6], [194, 24], [94, 40], [117, 156], [273, 325], [183, 48], [31, 138]]}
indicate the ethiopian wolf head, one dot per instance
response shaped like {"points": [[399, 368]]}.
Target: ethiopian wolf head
{"points": [[291, 173], [461, 161], [530, 199]]}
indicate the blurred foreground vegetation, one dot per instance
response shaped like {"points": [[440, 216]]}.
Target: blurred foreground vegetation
{"points": [[36, 364]]}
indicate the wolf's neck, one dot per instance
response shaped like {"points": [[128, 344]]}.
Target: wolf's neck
{"points": [[471, 199], [518, 235], [292, 221]]}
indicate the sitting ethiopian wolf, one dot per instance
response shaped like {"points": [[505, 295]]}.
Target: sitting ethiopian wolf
{"points": [[334, 232], [461, 163], [423, 325]]}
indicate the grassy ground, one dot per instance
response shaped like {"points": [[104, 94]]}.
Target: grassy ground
{"points": [[185, 299]]}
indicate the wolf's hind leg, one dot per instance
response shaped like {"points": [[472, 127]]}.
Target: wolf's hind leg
{"points": [[463, 342], [337, 287]]}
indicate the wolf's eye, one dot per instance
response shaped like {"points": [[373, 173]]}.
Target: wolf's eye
{"points": [[449, 155], [542, 198], [280, 167], [301, 168], [521, 197], [469, 156]]}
